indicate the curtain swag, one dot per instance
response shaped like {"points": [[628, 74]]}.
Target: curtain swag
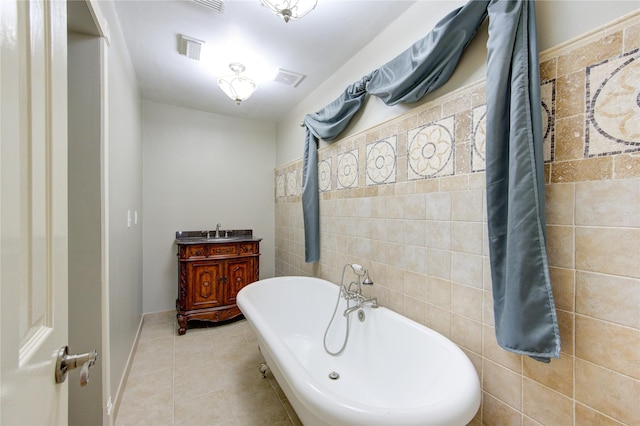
{"points": [[524, 310]]}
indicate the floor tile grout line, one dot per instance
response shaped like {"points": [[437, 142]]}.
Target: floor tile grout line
{"points": [[238, 330]]}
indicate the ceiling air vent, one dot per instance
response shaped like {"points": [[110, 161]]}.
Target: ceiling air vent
{"points": [[217, 5], [289, 78], [189, 47]]}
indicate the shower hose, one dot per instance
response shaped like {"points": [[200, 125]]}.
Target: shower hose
{"points": [[343, 290]]}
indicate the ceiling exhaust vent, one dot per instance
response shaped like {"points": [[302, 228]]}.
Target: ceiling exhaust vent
{"points": [[217, 5], [189, 47], [289, 78]]}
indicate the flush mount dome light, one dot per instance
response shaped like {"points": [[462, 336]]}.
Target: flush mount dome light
{"points": [[290, 9], [237, 87]]}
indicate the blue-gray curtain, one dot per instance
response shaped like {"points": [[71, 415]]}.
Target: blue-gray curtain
{"points": [[525, 317]]}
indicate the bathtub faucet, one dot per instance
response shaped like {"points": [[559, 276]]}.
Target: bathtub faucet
{"points": [[355, 293], [362, 301], [351, 292]]}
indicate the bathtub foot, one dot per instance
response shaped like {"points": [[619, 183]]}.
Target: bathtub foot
{"points": [[263, 369]]}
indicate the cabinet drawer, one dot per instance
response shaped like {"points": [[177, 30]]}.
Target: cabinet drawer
{"points": [[205, 250], [223, 249], [199, 250], [248, 248]]}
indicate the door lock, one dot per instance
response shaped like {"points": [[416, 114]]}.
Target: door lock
{"points": [[66, 362]]}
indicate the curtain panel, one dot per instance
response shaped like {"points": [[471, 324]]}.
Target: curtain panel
{"points": [[524, 310]]}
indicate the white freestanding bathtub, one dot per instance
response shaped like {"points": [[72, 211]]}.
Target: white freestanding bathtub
{"points": [[393, 371]]}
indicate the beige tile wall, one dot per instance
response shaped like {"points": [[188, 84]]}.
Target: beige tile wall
{"points": [[424, 239]]}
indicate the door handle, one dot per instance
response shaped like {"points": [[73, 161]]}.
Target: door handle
{"points": [[66, 362]]}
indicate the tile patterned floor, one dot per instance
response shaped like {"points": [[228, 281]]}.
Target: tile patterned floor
{"points": [[209, 376]]}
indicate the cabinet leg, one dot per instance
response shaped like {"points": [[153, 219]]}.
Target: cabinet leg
{"points": [[182, 324]]}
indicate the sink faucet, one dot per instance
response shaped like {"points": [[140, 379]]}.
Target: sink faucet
{"points": [[218, 230]]}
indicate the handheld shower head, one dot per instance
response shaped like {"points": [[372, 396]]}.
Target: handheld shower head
{"points": [[357, 268], [361, 271]]}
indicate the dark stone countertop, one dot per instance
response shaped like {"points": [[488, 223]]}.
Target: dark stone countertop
{"points": [[226, 236]]}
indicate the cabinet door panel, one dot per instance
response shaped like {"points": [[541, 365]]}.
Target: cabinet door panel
{"points": [[239, 274], [207, 281]]}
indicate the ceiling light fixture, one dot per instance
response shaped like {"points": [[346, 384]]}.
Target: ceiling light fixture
{"points": [[290, 9], [237, 87]]}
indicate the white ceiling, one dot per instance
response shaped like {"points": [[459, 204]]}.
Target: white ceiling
{"points": [[246, 32]]}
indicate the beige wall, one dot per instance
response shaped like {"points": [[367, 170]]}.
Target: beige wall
{"points": [[420, 227], [201, 169]]}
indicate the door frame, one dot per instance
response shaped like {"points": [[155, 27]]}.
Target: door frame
{"points": [[102, 27]]}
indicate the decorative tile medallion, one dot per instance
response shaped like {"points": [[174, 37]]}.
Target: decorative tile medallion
{"points": [[548, 98], [381, 161], [348, 170], [281, 184], [613, 106], [430, 150], [324, 175], [479, 138], [292, 184]]}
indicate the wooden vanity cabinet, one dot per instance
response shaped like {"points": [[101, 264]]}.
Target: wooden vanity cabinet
{"points": [[210, 275]]}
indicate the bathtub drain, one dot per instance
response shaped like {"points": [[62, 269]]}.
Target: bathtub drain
{"points": [[334, 376]]}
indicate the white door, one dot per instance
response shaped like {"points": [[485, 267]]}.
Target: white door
{"points": [[33, 210]]}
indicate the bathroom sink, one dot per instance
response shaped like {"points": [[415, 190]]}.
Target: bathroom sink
{"points": [[223, 239]]}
